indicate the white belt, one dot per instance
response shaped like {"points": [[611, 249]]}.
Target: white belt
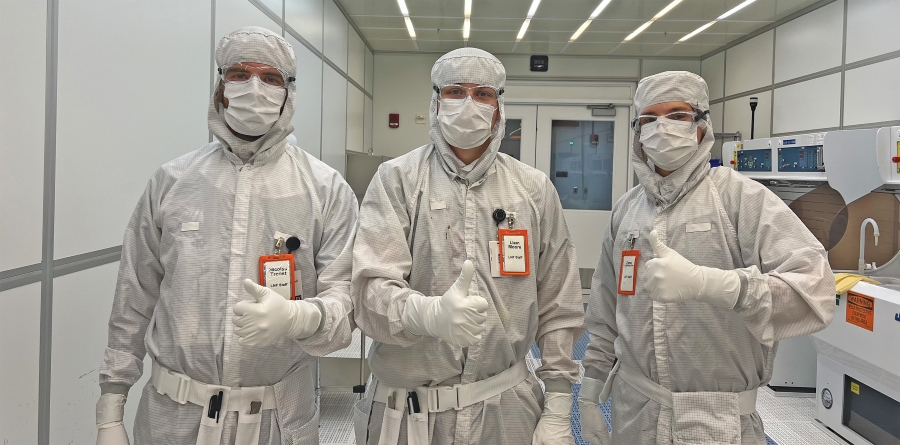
{"points": [[248, 402], [437, 399], [653, 391]]}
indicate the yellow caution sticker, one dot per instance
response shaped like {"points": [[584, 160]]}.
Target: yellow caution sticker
{"points": [[854, 387]]}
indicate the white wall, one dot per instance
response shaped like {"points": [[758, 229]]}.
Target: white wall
{"points": [[117, 120], [804, 77], [23, 40]]}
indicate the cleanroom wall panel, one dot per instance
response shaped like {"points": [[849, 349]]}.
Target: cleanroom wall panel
{"points": [[23, 30], [811, 105], [737, 115], [20, 336], [712, 69], [356, 110], [749, 65], [810, 43], [334, 119], [867, 91], [370, 71], [82, 302], [356, 57], [307, 118], [127, 103], [367, 125], [872, 28], [335, 35], [306, 17]]}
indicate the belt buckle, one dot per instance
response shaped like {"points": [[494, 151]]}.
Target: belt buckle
{"points": [[443, 398], [183, 388]]}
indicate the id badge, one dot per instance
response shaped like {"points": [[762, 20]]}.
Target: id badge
{"points": [[514, 258], [628, 272], [277, 273]]}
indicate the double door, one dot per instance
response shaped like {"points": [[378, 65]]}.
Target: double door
{"points": [[586, 157]]}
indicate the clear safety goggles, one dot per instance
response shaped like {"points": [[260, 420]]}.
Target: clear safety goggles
{"points": [[480, 93], [242, 72], [682, 116]]}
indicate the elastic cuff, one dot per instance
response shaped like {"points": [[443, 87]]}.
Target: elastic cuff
{"points": [[114, 388], [558, 385], [322, 312]]}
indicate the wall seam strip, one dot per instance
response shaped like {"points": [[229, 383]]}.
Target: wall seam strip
{"points": [[9, 273], [20, 280], [872, 125], [49, 197], [814, 130], [772, 81], [768, 27]]}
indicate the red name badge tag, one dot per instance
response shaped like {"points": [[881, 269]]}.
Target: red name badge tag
{"points": [[514, 259], [628, 272], [277, 273]]}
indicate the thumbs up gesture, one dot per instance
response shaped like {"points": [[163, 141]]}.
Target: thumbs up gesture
{"points": [[455, 317], [671, 278], [269, 316]]}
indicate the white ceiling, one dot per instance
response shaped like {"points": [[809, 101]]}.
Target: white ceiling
{"points": [[495, 24]]}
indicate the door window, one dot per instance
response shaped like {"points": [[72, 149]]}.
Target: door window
{"points": [[581, 163]]}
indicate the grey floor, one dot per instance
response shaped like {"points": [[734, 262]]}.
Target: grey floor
{"points": [[787, 420]]}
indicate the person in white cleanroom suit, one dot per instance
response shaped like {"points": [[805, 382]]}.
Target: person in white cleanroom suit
{"points": [[186, 293], [724, 270], [423, 287]]}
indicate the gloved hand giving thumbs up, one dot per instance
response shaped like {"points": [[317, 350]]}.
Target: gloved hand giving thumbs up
{"points": [[270, 316], [454, 317], [671, 278]]}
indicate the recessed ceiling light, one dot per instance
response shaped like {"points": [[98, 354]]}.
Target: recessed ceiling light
{"points": [[587, 22], [599, 9], [524, 28], [403, 9], [698, 31], [466, 26], [409, 27], [658, 15], [735, 9], [467, 10], [533, 8]]}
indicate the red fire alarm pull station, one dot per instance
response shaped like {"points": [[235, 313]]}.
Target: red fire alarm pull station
{"points": [[394, 120]]}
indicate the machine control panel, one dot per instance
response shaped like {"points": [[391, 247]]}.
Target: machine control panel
{"points": [[801, 159], [754, 160]]}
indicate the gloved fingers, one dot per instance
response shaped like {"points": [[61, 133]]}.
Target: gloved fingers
{"points": [[241, 321], [254, 340], [256, 291], [462, 283], [245, 331], [242, 308], [476, 317], [659, 247], [478, 303]]}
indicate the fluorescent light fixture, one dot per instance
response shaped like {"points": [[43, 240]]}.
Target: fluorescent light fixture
{"points": [[580, 30], [524, 28], [468, 9], [403, 9], [667, 9], [600, 9], [735, 9], [638, 31], [466, 26], [409, 26], [533, 8], [655, 18], [698, 31]]}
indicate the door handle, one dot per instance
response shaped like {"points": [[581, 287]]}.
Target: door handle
{"points": [[575, 190]]}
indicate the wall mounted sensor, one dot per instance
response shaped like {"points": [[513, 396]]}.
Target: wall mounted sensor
{"points": [[753, 102]]}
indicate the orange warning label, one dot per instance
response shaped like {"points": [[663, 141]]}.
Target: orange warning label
{"points": [[861, 310]]}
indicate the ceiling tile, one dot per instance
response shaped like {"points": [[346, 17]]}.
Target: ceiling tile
{"points": [[392, 45]]}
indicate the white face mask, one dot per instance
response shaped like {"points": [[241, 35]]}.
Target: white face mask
{"points": [[253, 107], [465, 123], [669, 143]]}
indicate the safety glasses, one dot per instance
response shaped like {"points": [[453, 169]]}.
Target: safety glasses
{"points": [[683, 116], [242, 72]]}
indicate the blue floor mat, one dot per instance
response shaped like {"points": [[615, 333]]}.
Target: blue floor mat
{"points": [[605, 410]]}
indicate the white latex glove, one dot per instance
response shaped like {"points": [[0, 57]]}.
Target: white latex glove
{"points": [[672, 279], [555, 426], [261, 322], [110, 411], [593, 424], [454, 317]]}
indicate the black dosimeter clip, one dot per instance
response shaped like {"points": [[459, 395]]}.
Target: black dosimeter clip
{"points": [[412, 403], [499, 215]]}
